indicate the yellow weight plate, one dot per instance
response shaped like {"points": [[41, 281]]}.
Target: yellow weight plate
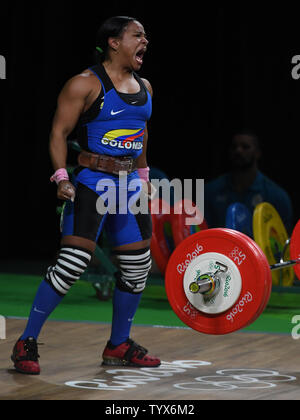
{"points": [[270, 234]]}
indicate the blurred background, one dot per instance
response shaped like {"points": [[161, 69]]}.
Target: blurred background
{"points": [[213, 69]]}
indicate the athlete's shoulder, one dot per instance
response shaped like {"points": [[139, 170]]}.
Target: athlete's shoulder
{"points": [[148, 85], [81, 84]]}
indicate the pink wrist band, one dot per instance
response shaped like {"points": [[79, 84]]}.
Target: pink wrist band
{"points": [[144, 173], [60, 175]]}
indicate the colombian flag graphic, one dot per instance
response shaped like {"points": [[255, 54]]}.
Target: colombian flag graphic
{"points": [[124, 138]]}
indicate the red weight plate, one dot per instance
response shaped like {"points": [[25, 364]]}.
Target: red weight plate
{"points": [[268, 284], [163, 213], [295, 248], [252, 265], [268, 289], [182, 212], [160, 213]]}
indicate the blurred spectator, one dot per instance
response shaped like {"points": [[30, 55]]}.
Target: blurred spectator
{"points": [[244, 183]]}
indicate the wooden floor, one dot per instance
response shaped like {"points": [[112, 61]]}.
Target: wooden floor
{"points": [[240, 366]]}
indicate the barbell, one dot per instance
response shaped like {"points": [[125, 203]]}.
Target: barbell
{"points": [[219, 280]]}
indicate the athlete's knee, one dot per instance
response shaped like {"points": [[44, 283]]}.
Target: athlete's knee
{"points": [[71, 262], [78, 242], [134, 267]]}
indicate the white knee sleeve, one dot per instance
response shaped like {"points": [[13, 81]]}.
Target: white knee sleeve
{"points": [[134, 269], [70, 264]]}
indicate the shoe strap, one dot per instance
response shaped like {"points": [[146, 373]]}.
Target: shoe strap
{"points": [[134, 347]]}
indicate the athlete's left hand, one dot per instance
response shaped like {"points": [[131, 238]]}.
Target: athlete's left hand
{"points": [[149, 189]]}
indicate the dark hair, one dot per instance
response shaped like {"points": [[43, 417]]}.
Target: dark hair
{"points": [[112, 27]]}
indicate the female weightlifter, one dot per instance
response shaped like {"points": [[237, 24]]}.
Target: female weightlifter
{"points": [[111, 105]]}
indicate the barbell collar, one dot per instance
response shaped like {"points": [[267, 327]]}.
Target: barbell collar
{"points": [[205, 286]]}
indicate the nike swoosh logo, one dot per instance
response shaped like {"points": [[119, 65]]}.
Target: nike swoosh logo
{"points": [[112, 112], [36, 310]]}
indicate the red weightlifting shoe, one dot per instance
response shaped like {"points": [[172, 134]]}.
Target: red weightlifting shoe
{"points": [[25, 356], [128, 353]]}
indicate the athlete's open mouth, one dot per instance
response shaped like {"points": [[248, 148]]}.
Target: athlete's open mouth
{"points": [[139, 55]]}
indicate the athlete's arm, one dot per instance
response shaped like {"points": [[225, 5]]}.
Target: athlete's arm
{"points": [[142, 158], [71, 103]]}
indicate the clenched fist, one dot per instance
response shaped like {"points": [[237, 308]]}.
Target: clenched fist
{"points": [[66, 190]]}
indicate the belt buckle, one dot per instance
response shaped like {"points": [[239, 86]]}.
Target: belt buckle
{"points": [[127, 164]]}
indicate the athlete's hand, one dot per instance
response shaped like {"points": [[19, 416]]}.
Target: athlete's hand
{"points": [[66, 191], [149, 189]]}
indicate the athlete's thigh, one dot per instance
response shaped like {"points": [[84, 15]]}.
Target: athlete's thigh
{"points": [[80, 218], [125, 229]]}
